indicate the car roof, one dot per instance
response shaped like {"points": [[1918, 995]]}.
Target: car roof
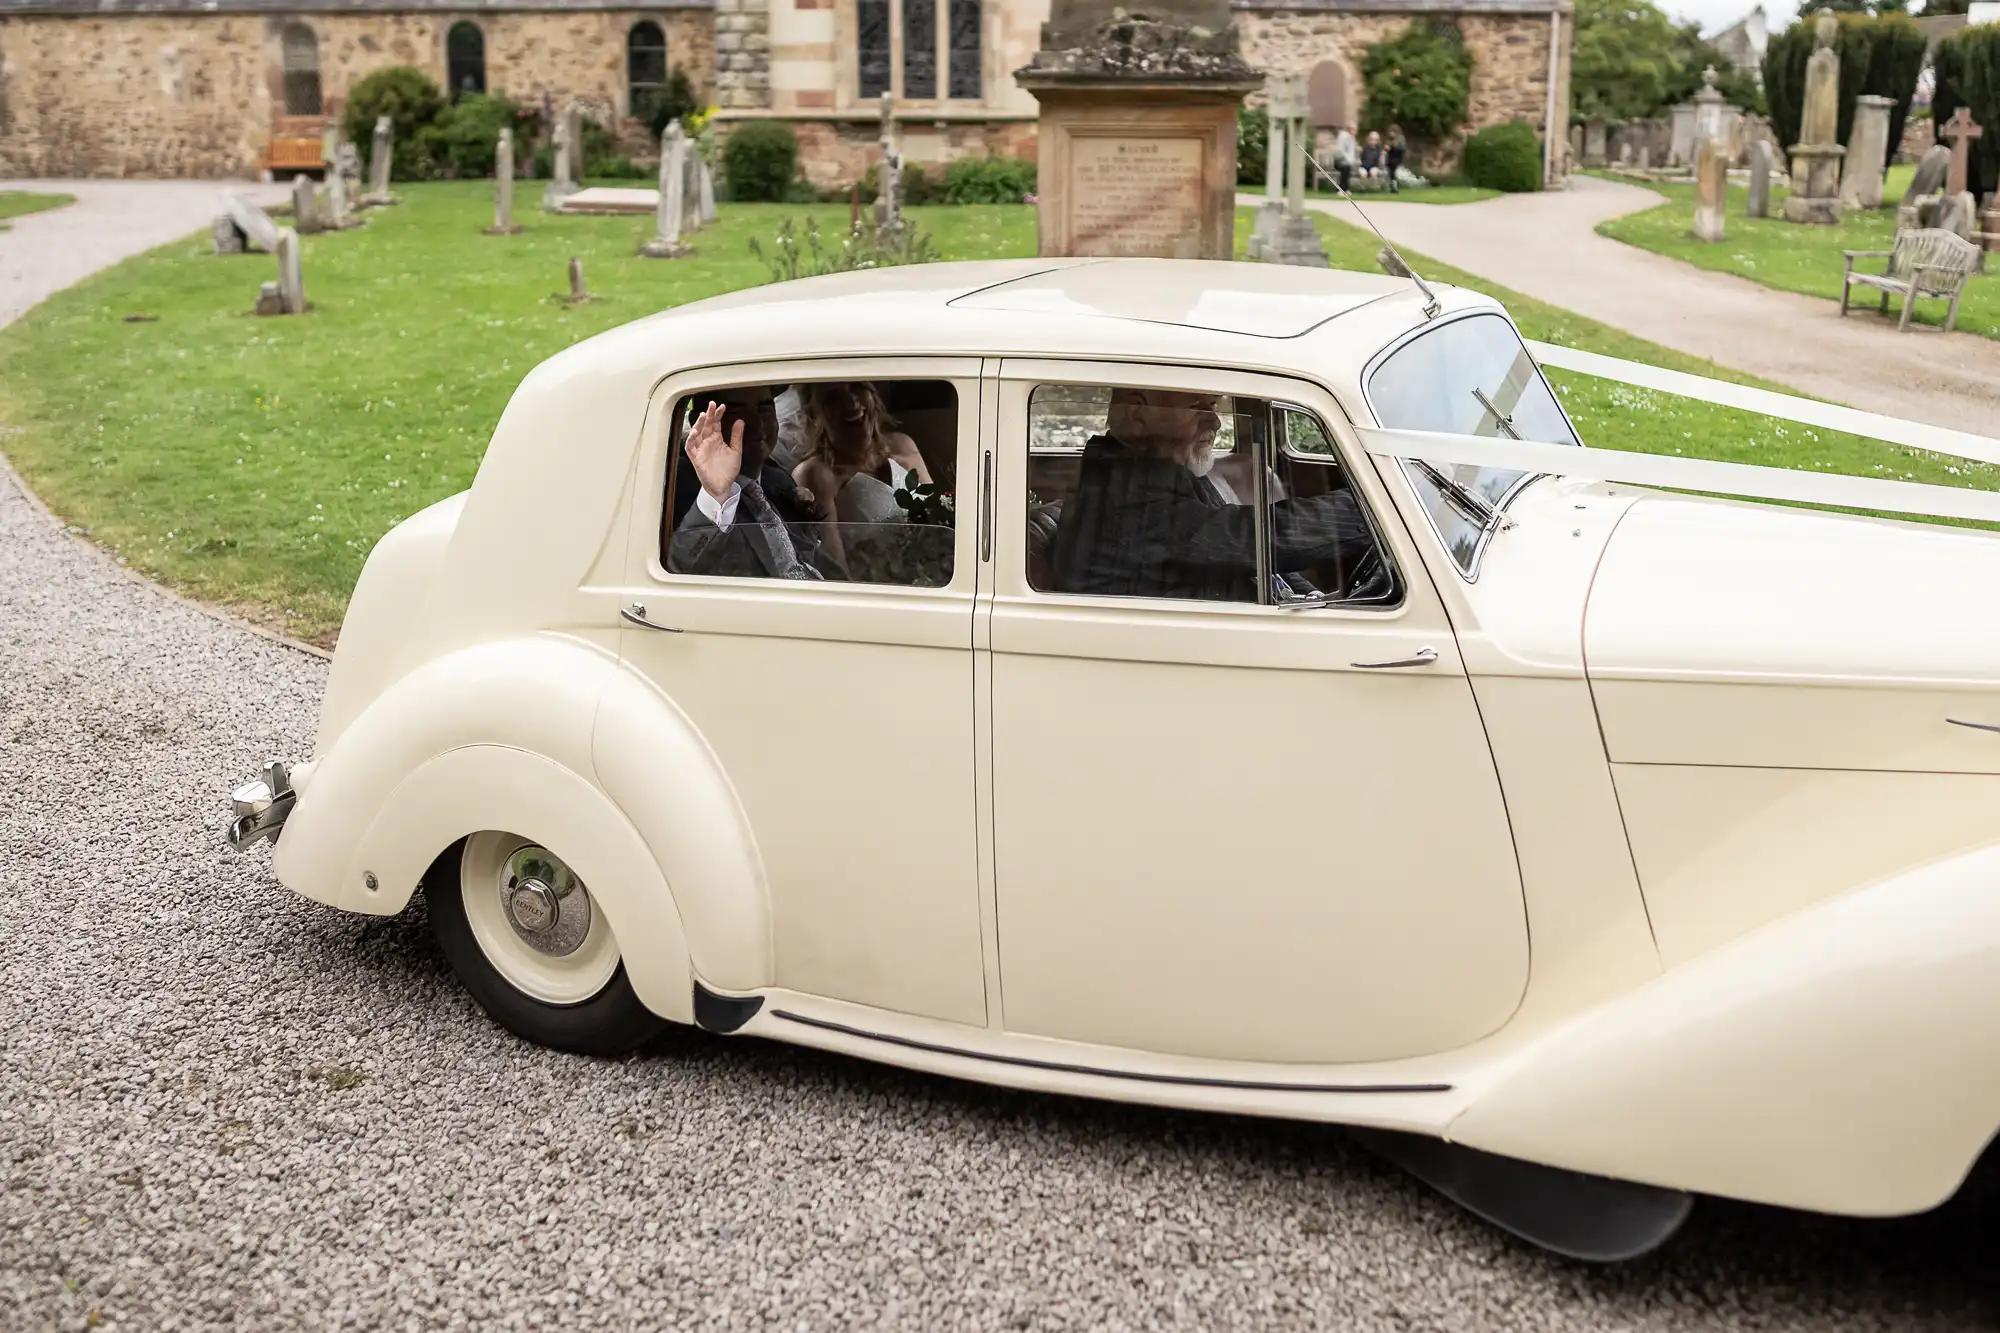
{"points": [[1323, 322]]}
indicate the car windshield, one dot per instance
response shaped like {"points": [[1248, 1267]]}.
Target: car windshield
{"points": [[1469, 376]]}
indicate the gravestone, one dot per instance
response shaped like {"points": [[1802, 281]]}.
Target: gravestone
{"points": [[1961, 130], [704, 191], [563, 181], [503, 186], [381, 154], [1867, 153], [1270, 213], [1930, 174], [1576, 144], [1957, 214], [1709, 106], [350, 172], [290, 288], [1594, 152], [227, 235], [671, 210], [1297, 241], [1760, 179], [305, 205], [1625, 153], [1711, 189], [1681, 138], [1645, 157], [252, 221], [1137, 133], [1815, 196], [270, 300], [889, 186]]}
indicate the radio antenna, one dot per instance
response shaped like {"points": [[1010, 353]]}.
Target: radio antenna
{"points": [[1400, 266]]}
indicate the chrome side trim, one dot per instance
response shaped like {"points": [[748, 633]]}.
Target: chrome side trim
{"points": [[1058, 1067]]}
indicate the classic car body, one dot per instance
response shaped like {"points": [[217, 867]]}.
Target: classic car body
{"points": [[1648, 837]]}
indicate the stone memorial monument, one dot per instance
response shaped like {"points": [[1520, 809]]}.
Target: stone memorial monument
{"points": [[1961, 130], [671, 212], [1137, 138], [1595, 152], [1709, 106], [381, 153], [348, 167], [241, 225], [1931, 174], [1297, 240], [563, 181], [1815, 196], [1681, 138], [503, 186], [1867, 153], [1760, 179], [1711, 188]]}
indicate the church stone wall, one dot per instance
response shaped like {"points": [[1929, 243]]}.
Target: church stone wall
{"points": [[194, 95]]}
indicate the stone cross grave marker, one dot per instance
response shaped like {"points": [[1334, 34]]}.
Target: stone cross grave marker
{"points": [[1961, 130], [671, 210], [889, 195], [381, 155], [569, 158], [1760, 179], [305, 204], [1867, 153], [1711, 188], [1298, 240], [1270, 213], [503, 186]]}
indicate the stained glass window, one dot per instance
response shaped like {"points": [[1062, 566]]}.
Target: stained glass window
{"points": [[920, 48], [871, 30], [964, 77]]}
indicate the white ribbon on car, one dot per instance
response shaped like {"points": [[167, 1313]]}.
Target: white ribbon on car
{"points": [[1729, 479]]}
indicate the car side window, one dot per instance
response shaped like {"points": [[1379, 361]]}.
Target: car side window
{"points": [[841, 481], [1141, 492]]}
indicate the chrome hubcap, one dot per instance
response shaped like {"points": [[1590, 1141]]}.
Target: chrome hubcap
{"points": [[544, 902]]}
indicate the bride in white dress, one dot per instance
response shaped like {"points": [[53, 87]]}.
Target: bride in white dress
{"points": [[854, 458]]}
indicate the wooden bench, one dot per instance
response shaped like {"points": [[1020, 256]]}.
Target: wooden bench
{"points": [[297, 143], [1927, 262]]}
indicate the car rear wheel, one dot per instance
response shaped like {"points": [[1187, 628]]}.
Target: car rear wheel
{"points": [[525, 937]]}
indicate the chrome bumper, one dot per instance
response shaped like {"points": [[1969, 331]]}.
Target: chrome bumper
{"points": [[261, 806]]}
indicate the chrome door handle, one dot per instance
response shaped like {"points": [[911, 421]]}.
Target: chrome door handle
{"points": [[1976, 726], [636, 613], [1422, 657]]}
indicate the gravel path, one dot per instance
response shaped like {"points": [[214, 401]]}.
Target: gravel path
{"points": [[224, 1107], [1546, 246]]}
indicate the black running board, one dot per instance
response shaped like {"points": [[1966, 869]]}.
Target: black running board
{"points": [[1575, 1215]]}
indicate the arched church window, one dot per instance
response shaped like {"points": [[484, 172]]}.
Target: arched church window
{"points": [[964, 79], [465, 59], [301, 62], [645, 64]]}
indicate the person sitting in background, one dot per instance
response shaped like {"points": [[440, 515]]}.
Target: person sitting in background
{"points": [[1393, 154], [1371, 157], [1346, 156]]}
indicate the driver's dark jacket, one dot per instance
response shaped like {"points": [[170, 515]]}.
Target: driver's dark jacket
{"points": [[1144, 526]]}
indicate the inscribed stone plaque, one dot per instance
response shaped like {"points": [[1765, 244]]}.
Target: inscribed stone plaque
{"points": [[1135, 196]]}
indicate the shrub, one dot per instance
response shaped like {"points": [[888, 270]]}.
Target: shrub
{"points": [[1253, 144], [1881, 55], [1968, 75], [463, 142], [1420, 80], [1505, 157], [988, 180], [809, 256], [759, 160], [675, 100], [408, 98]]}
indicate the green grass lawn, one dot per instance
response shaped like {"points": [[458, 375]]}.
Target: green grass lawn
{"points": [[13, 203], [1447, 192], [1797, 258], [254, 462]]}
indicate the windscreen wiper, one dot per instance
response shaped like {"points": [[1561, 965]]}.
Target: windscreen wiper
{"points": [[1467, 502]]}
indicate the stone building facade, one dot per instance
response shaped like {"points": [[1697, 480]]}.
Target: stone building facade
{"points": [[219, 87]]}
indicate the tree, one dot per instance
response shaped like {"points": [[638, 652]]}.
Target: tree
{"points": [[1935, 7], [1632, 61], [1420, 80]]}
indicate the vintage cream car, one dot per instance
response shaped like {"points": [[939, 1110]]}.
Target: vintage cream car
{"points": [[1365, 751]]}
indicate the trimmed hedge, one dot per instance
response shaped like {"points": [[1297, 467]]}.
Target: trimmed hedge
{"points": [[1968, 75], [1505, 157], [412, 101], [986, 180], [760, 160]]}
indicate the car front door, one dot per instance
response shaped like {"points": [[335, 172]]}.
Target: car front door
{"points": [[834, 684], [1223, 828]]}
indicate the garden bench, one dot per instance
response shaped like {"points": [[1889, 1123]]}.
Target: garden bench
{"points": [[1926, 262]]}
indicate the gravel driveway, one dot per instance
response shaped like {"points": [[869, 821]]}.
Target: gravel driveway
{"points": [[222, 1106]]}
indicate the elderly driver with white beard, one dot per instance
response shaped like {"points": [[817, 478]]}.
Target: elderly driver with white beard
{"points": [[1146, 521]]}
